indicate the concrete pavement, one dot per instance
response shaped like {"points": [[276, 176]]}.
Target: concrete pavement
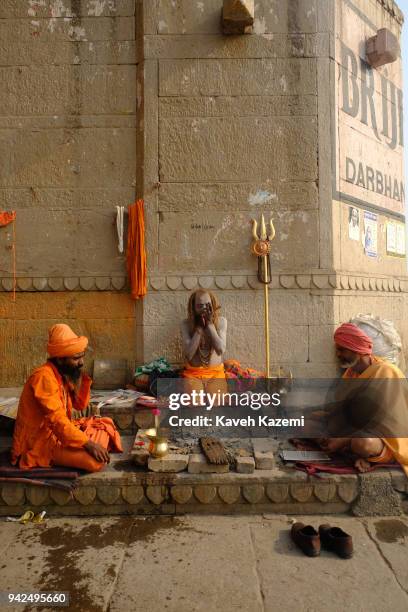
{"points": [[204, 563]]}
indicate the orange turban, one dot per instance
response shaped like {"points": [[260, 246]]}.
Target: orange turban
{"points": [[63, 342], [351, 337]]}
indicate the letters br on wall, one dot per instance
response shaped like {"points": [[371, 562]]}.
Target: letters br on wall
{"points": [[369, 118]]}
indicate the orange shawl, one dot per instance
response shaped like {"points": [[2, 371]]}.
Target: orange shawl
{"points": [[135, 253]]}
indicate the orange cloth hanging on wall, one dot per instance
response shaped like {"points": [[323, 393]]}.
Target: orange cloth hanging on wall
{"points": [[135, 253], [7, 217]]}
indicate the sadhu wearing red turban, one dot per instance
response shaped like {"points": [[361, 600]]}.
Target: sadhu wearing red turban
{"points": [[44, 433], [378, 395]]}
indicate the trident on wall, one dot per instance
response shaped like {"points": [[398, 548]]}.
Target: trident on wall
{"points": [[262, 248]]}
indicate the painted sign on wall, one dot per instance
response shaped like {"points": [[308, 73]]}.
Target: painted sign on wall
{"points": [[369, 119]]}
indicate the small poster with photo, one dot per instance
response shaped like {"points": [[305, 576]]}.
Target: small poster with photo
{"points": [[370, 234], [354, 223]]}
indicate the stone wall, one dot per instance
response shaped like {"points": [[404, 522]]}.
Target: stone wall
{"points": [[68, 150], [227, 127], [244, 125]]}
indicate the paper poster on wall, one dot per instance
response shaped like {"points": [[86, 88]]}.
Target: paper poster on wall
{"points": [[370, 234], [354, 223], [400, 239], [395, 239], [391, 237]]}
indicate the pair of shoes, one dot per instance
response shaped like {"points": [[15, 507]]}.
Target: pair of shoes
{"points": [[331, 538]]}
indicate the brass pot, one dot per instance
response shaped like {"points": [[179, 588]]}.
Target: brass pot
{"points": [[159, 445]]}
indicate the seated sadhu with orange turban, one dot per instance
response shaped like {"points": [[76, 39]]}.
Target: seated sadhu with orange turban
{"points": [[44, 433], [374, 393]]}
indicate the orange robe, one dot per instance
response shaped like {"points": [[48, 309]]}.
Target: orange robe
{"points": [[44, 434], [203, 372], [395, 448]]}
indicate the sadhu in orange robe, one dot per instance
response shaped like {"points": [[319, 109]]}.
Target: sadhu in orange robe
{"points": [[391, 391], [44, 433]]}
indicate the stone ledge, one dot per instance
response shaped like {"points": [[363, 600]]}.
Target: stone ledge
{"points": [[332, 281], [273, 491], [393, 9], [320, 281]]}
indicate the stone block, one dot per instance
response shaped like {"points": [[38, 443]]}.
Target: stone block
{"points": [[101, 52], [188, 236], [140, 456], [321, 346], [301, 492], [237, 106], [277, 492], [263, 453], [377, 497], [62, 498], [245, 465], [91, 158], [132, 494], [10, 9], [144, 419], [52, 31], [198, 464], [13, 494], [85, 495], [205, 493], [169, 463], [325, 492], [264, 461], [181, 493], [53, 90], [224, 77], [187, 17], [237, 16], [156, 494], [123, 421], [108, 494], [229, 493], [253, 493], [348, 490], [285, 148], [37, 495]]}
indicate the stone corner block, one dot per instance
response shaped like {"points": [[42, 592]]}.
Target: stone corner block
{"points": [[264, 460], [245, 465], [198, 464], [169, 463], [237, 16]]}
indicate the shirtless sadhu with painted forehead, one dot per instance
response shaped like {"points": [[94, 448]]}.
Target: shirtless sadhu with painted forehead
{"points": [[204, 335]]}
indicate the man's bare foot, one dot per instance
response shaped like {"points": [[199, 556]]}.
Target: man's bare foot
{"points": [[362, 465]]}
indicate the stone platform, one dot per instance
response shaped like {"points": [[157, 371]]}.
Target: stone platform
{"points": [[123, 488]]}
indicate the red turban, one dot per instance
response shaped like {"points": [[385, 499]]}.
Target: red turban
{"points": [[63, 342], [351, 337]]}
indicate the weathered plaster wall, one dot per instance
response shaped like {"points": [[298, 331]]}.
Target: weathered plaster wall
{"points": [[68, 150], [374, 140], [108, 319], [242, 125], [226, 128]]}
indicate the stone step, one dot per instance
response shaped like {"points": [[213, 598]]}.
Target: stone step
{"points": [[123, 488]]}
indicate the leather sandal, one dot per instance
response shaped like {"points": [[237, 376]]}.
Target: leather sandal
{"points": [[336, 540], [306, 538]]}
